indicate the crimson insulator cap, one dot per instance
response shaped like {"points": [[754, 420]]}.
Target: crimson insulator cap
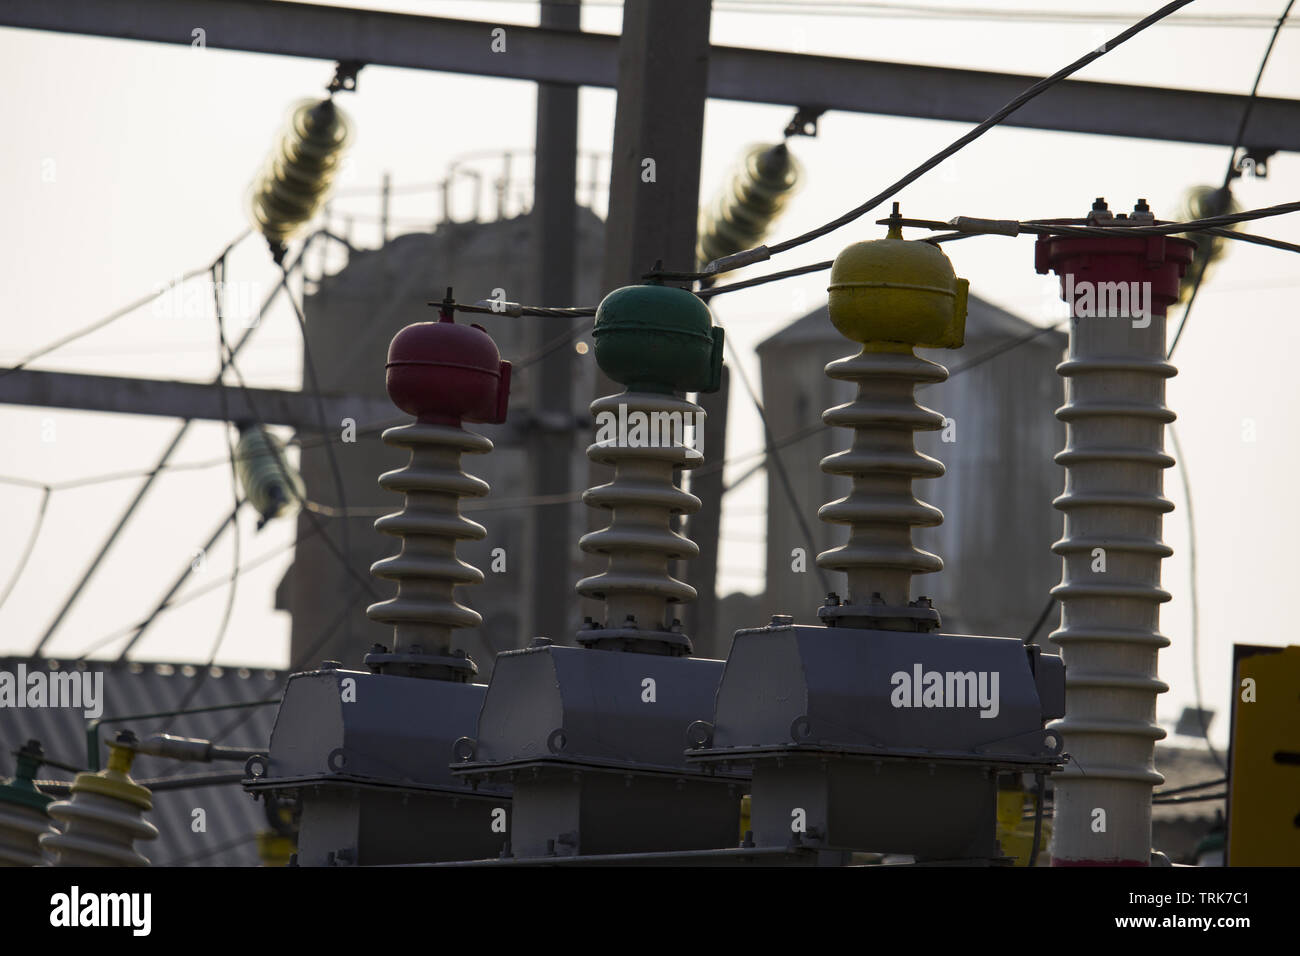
{"points": [[446, 373]]}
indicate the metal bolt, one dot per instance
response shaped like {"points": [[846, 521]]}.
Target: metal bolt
{"points": [[540, 642], [330, 665], [782, 620], [832, 599]]}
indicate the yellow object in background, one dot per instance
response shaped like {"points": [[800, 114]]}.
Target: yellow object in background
{"points": [[1015, 832], [1264, 762]]}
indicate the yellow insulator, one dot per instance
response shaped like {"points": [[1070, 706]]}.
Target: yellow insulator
{"points": [[755, 195], [1202, 202], [893, 295], [301, 169], [269, 484], [103, 817]]}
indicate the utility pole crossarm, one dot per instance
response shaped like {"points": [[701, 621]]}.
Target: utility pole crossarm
{"points": [[545, 55]]}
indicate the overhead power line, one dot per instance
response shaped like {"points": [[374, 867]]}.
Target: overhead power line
{"points": [[1230, 174], [761, 253], [127, 309]]}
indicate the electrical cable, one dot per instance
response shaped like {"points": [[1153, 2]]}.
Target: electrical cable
{"points": [[224, 358], [197, 593], [1197, 799], [1040, 620], [782, 475], [181, 431], [1230, 174], [761, 253], [296, 665], [1190, 787], [1195, 604], [310, 366], [31, 545], [126, 309], [1047, 227], [292, 487]]}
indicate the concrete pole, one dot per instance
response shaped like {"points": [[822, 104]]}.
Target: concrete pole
{"points": [[654, 184], [551, 430], [1118, 289]]}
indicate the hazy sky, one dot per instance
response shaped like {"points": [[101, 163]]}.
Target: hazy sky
{"points": [[127, 163]]}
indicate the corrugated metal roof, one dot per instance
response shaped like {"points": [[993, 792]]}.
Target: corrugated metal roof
{"points": [[232, 818]]}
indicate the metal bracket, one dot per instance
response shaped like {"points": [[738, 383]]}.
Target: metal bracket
{"points": [[804, 122], [345, 76]]}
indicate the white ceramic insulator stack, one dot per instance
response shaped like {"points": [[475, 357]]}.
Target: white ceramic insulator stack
{"points": [[881, 509], [1110, 590], [20, 831], [425, 612], [98, 830], [640, 541]]}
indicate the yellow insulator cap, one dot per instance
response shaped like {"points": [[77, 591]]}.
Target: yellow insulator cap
{"points": [[115, 781], [890, 293]]}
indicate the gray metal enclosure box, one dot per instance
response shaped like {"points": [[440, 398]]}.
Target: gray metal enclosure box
{"points": [[593, 743], [846, 757], [369, 763]]}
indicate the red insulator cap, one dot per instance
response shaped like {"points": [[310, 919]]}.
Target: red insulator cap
{"points": [[1159, 260], [444, 373]]}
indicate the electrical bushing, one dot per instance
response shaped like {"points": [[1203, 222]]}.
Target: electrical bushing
{"points": [[754, 197], [592, 738], [302, 167], [1119, 289], [875, 732], [104, 815], [657, 341], [23, 816], [367, 753]]}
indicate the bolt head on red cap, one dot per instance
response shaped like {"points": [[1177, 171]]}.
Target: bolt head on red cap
{"points": [[445, 373]]}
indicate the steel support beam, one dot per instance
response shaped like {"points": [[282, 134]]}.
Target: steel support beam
{"points": [[189, 400], [548, 55]]}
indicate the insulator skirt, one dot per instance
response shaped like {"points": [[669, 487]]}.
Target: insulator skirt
{"points": [[881, 510], [20, 831], [427, 570], [755, 195], [301, 169], [1110, 590], [642, 499], [98, 830]]}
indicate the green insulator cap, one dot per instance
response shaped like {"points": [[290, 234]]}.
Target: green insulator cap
{"points": [[21, 790], [657, 338]]}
